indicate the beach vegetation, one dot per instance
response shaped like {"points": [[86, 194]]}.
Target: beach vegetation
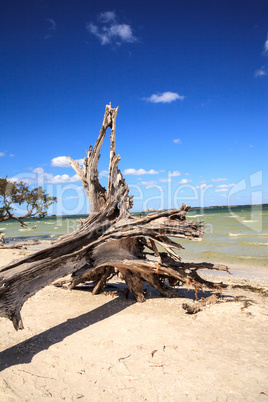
{"points": [[33, 202]]}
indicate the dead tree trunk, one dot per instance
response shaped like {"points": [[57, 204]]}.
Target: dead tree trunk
{"points": [[109, 239]]}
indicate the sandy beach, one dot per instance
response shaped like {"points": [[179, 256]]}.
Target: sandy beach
{"points": [[76, 346]]}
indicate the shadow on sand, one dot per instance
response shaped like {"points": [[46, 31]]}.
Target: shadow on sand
{"points": [[24, 352]]}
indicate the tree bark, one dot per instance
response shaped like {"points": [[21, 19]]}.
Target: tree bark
{"points": [[109, 239]]}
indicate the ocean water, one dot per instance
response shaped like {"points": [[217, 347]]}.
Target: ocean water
{"points": [[236, 235]]}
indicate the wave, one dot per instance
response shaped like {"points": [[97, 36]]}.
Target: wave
{"points": [[249, 221], [254, 243], [230, 257], [3, 228], [248, 234], [195, 216], [253, 257]]}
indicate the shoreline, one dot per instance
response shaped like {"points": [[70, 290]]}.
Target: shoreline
{"points": [[238, 271]]}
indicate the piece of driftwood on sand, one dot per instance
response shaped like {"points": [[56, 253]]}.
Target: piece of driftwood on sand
{"points": [[111, 239]]}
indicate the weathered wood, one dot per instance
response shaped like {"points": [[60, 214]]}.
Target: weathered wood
{"points": [[109, 240], [19, 245], [2, 239]]}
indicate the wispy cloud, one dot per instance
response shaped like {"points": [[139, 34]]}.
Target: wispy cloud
{"points": [[104, 173], [165, 97], [62, 161], [139, 172], [177, 141], [38, 170], [149, 183], [38, 175], [107, 16], [218, 179], [71, 197], [51, 28], [225, 185], [261, 72], [204, 185], [174, 174], [4, 154], [167, 180], [110, 31], [184, 181], [265, 47], [64, 178]]}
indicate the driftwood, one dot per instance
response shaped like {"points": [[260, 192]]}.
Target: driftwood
{"points": [[19, 245], [109, 240], [2, 239]]}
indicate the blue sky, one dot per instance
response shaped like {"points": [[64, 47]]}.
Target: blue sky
{"points": [[190, 79]]}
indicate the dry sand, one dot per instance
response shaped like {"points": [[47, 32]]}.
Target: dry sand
{"points": [[76, 346]]}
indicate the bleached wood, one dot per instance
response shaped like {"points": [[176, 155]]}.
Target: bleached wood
{"points": [[109, 240]]}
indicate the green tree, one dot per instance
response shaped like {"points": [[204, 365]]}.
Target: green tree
{"points": [[35, 201]]}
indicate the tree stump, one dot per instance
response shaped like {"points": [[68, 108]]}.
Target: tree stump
{"points": [[111, 239]]}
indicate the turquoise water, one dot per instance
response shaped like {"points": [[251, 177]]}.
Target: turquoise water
{"points": [[238, 235]]}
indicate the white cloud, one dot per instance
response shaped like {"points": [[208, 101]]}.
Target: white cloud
{"points": [[165, 97], [138, 172], [225, 185], [2, 154], [177, 141], [104, 173], [221, 190], [51, 28], [261, 72], [38, 175], [219, 179], [184, 181], [149, 183], [204, 185], [110, 31], [14, 179], [62, 161], [71, 197], [168, 180], [38, 170], [107, 16], [174, 174], [265, 48], [64, 178]]}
